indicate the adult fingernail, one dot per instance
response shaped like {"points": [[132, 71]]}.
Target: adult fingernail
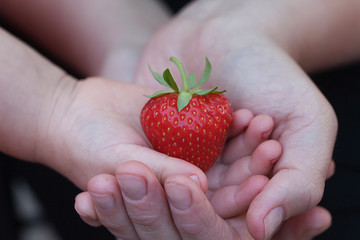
{"points": [[104, 202], [273, 221], [178, 195], [133, 187]]}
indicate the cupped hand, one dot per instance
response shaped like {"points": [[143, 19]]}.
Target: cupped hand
{"points": [[259, 75], [96, 127]]}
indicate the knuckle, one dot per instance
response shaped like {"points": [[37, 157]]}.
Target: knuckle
{"points": [[191, 229], [147, 219]]}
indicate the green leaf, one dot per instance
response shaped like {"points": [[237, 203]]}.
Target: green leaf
{"points": [[208, 91], [159, 77], [159, 93], [170, 80], [205, 91], [185, 84], [219, 91], [206, 74], [192, 80], [183, 100]]}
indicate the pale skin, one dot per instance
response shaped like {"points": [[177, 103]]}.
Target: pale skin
{"points": [[281, 56], [74, 115], [64, 117], [306, 133], [89, 36], [262, 50], [231, 190], [192, 212]]}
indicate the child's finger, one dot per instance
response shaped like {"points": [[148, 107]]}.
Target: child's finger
{"points": [[241, 120], [264, 157], [259, 130], [233, 200], [261, 162]]}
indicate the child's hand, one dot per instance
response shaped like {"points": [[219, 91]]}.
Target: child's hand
{"points": [[97, 127]]}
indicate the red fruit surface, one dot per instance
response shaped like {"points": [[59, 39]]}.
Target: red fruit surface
{"points": [[197, 134]]}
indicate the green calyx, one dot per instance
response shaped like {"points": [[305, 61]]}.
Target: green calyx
{"points": [[190, 85]]}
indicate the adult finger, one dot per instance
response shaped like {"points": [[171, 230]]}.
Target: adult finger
{"points": [[145, 202], [305, 226], [299, 176], [161, 164], [288, 193], [193, 214], [110, 210]]}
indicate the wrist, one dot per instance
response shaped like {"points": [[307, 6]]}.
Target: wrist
{"points": [[50, 121], [29, 83]]}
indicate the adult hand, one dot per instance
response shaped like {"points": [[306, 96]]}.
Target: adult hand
{"points": [[250, 62], [134, 205]]}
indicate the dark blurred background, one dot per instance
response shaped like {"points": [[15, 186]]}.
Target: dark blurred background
{"points": [[342, 192]]}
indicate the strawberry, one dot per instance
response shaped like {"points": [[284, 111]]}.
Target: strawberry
{"points": [[187, 123]]}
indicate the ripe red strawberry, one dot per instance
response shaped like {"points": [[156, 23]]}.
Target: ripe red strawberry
{"points": [[190, 123]]}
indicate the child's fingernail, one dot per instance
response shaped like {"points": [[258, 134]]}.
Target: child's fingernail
{"points": [[178, 195], [195, 178], [274, 160], [133, 187], [273, 221], [266, 134]]}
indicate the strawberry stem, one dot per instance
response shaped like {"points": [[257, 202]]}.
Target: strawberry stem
{"points": [[189, 86]]}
